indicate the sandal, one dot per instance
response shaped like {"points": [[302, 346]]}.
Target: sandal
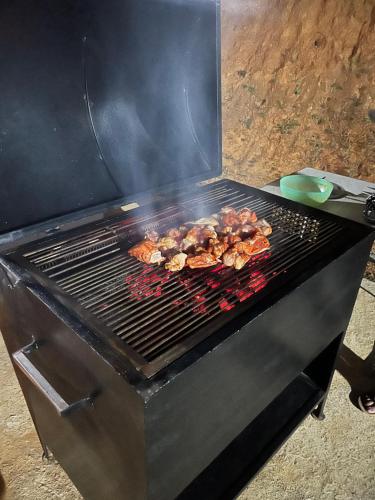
{"points": [[367, 403]]}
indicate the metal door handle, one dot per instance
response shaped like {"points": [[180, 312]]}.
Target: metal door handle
{"points": [[41, 383]]}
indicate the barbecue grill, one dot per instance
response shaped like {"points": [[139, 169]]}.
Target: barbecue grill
{"points": [[141, 382]]}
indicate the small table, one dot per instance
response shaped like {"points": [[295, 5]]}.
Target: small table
{"points": [[349, 207]]}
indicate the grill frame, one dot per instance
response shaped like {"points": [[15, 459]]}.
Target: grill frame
{"points": [[216, 328]]}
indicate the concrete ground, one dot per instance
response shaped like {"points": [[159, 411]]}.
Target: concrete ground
{"points": [[333, 459]]}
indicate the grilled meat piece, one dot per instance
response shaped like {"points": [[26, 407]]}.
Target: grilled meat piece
{"points": [[174, 233], [241, 260], [246, 230], [230, 219], [191, 238], [152, 236], [237, 255], [244, 247], [233, 238], [236, 259], [259, 243], [227, 210], [146, 251], [217, 247], [247, 216], [263, 226], [229, 257], [193, 234], [199, 249], [177, 262], [203, 259], [207, 233], [224, 229], [167, 243], [229, 216]]}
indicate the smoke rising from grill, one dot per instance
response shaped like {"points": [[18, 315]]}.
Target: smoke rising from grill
{"points": [[152, 92]]}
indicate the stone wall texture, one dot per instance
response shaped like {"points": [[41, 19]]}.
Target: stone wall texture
{"points": [[298, 85]]}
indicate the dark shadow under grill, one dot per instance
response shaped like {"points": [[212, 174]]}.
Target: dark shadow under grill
{"points": [[154, 311]]}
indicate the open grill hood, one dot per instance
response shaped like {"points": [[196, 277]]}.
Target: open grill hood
{"points": [[103, 100]]}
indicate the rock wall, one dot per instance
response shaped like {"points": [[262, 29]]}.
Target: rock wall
{"points": [[298, 85]]}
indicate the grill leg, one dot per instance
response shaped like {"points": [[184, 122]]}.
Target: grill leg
{"points": [[323, 369], [318, 413]]}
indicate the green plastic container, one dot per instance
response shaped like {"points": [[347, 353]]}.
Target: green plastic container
{"points": [[306, 189]]}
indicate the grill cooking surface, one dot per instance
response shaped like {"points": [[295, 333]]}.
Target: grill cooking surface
{"points": [[158, 313]]}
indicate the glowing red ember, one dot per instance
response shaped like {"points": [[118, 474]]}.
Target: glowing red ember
{"points": [[225, 305]]}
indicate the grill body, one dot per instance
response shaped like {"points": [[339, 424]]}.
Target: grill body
{"points": [[139, 388], [170, 426]]}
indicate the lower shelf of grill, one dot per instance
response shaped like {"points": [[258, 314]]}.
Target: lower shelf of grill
{"points": [[230, 472]]}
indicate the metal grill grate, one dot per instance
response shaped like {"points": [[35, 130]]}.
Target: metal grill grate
{"points": [[154, 311]]}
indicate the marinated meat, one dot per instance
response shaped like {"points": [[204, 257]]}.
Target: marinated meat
{"points": [[207, 233], [191, 238], [246, 230], [201, 260], [233, 238], [259, 243], [241, 260], [199, 249], [247, 216], [263, 226], [152, 236], [167, 243], [147, 251], [244, 247], [229, 257], [177, 262], [230, 219], [174, 233], [217, 247], [227, 210], [230, 235], [225, 229]]}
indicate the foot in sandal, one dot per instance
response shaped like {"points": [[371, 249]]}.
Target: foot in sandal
{"points": [[367, 403]]}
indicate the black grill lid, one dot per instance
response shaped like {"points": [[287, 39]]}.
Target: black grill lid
{"points": [[104, 99]]}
